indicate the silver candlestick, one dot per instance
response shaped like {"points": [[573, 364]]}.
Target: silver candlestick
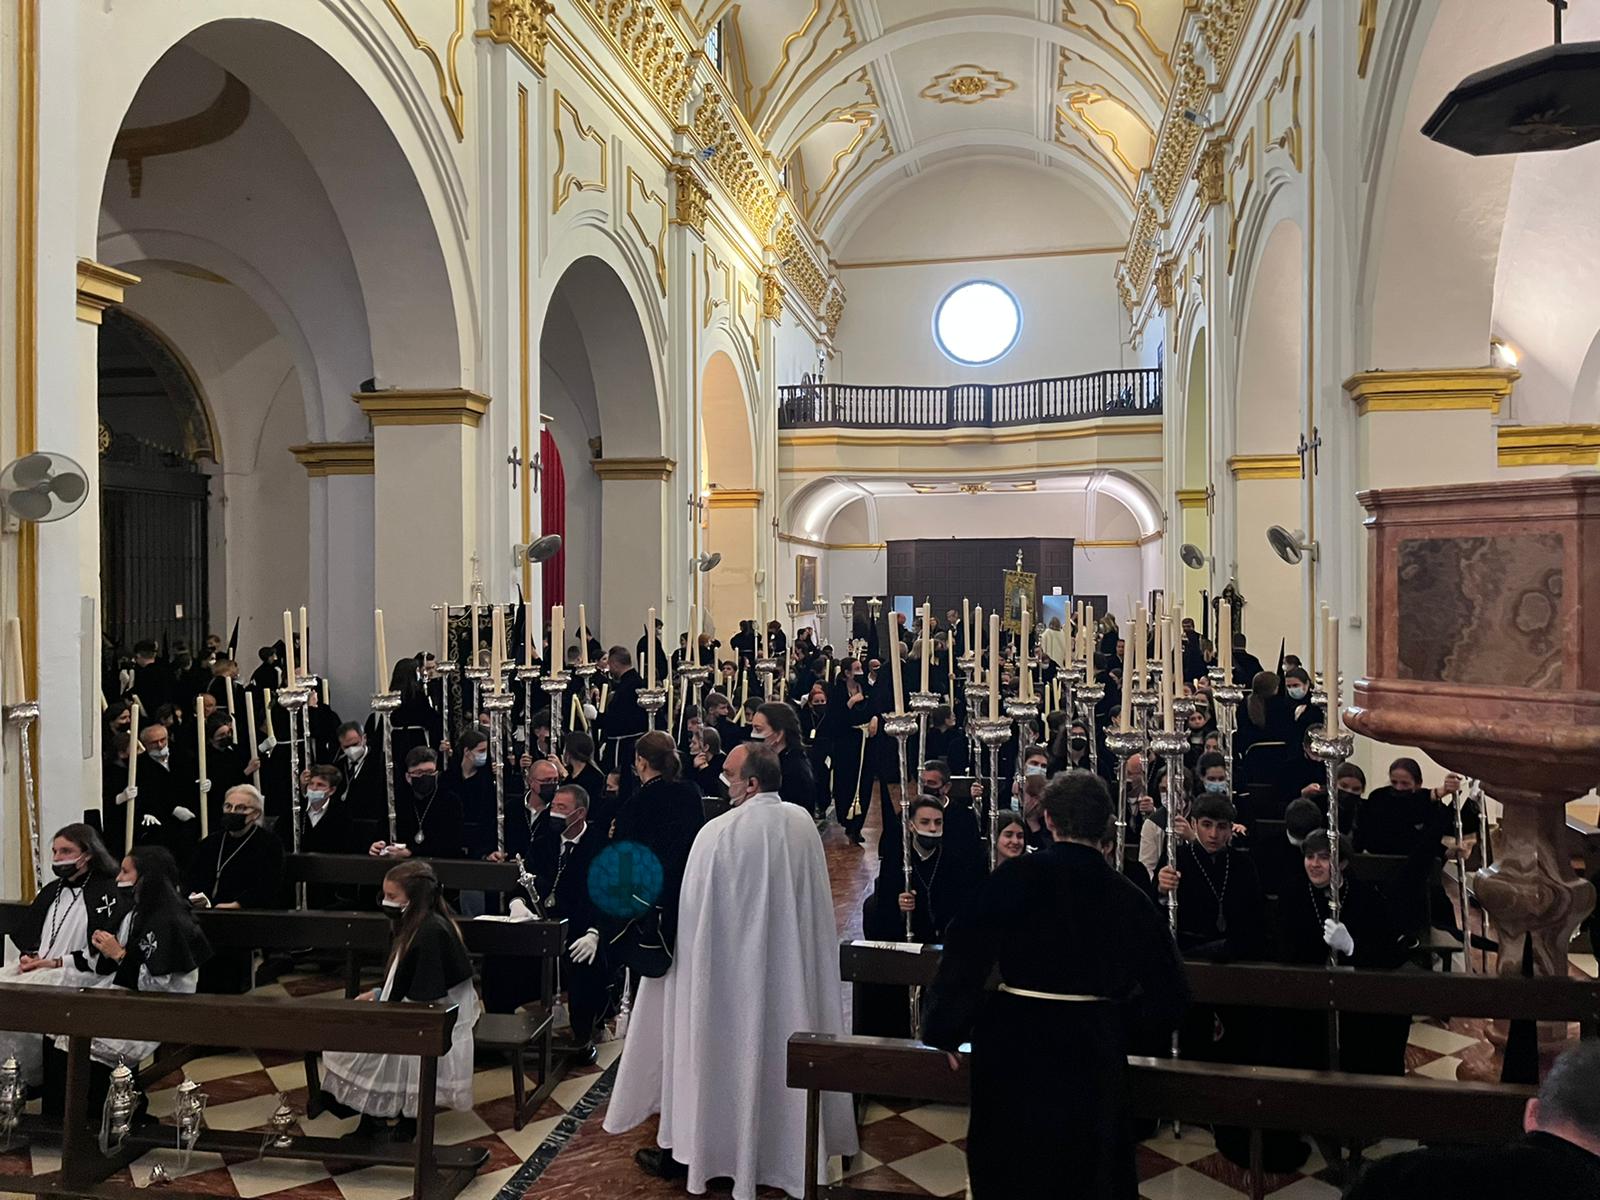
{"points": [[449, 699], [993, 732], [498, 705], [1225, 700], [384, 705], [476, 676], [921, 704], [1089, 696], [900, 727], [768, 668], [528, 676], [21, 716], [651, 700], [1172, 746], [293, 701], [1332, 750], [1021, 712], [1124, 744], [555, 688]]}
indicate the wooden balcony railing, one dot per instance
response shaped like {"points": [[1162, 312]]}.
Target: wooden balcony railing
{"points": [[971, 405]]}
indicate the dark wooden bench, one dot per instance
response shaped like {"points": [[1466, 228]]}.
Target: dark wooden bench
{"points": [[1255, 1098], [301, 1026], [367, 870]]}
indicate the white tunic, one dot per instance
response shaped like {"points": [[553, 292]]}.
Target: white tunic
{"points": [[68, 920], [757, 960]]}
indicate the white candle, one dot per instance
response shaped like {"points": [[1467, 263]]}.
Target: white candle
{"points": [[994, 664], [288, 649], [529, 618], [583, 635], [1330, 669], [927, 641], [1136, 647], [16, 689], [556, 651], [966, 627], [952, 656], [250, 724], [200, 748], [650, 649], [1126, 723], [1025, 676], [444, 639], [474, 662], [133, 768], [977, 645], [305, 643], [894, 665], [1225, 640], [1167, 678], [379, 673], [497, 627]]}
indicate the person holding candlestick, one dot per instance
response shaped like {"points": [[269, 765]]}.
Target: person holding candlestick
{"points": [[427, 815], [623, 721], [851, 724], [227, 763], [662, 664]]}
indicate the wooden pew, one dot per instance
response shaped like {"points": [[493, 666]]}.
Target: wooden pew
{"points": [[1263, 985], [302, 1026], [366, 870], [1255, 1098]]}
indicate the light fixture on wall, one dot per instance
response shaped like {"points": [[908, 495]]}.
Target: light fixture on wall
{"points": [[1547, 100], [1502, 354]]}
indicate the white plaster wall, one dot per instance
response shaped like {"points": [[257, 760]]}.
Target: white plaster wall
{"points": [[248, 376], [1113, 571]]}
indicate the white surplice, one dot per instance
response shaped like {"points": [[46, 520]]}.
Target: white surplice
{"points": [[757, 960]]}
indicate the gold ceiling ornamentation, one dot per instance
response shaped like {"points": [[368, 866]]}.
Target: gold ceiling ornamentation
{"points": [[449, 77], [972, 489], [834, 313], [1166, 291], [1169, 165], [967, 83], [1211, 172], [772, 295], [1366, 33], [649, 40], [211, 124], [1220, 23], [524, 25], [1136, 264], [800, 265], [693, 199], [1078, 101], [735, 165]]}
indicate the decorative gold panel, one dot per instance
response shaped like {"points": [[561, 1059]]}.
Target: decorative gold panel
{"points": [[735, 164], [719, 276], [834, 313], [1139, 259], [747, 313], [654, 235], [1175, 143], [1281, 107], [1366, 33], [804, 52], [524, 25], [574, 179], [1220, 23], [647, 38], [1210, 172], [1166, 293], [692, 198], [967, 83], [772, 296], [800, 266], [1241, 184], [444, 67]]}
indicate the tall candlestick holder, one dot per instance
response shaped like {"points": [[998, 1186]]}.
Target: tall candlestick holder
{"points": [[1089, 696], [900, 727], [993, 732], [528, 676], [585, 671], [651, 700], [768, 668], [1226, 697], [476, 676], [449, 697], [692, 679], [498, 705], [1069, 676], [921, 704], [1332, 749], [1172, 746], [555, 687], [1124, 744], [21, 716], [1020, 712], [293, 701], [1144, 705], [384, 705]]}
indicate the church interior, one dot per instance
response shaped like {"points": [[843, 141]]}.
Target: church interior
{"points": [[521, 409]]}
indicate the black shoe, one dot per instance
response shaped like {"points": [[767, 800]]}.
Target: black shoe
{"points": [[370, 1129], [660, 1163], [584, 1056], [405, 1129]]}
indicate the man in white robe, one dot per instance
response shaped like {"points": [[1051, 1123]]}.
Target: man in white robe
{"points": [[757, 960]]}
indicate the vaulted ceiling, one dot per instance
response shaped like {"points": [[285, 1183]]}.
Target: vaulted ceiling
{"points": [[853, 95]]}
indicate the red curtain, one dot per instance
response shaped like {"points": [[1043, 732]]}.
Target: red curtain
{"points": [[553, 519]]}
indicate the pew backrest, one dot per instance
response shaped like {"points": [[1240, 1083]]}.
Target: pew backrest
{"points": [[462, 874]]}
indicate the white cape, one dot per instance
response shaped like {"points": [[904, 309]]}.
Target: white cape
{"points": [[757, 960]]}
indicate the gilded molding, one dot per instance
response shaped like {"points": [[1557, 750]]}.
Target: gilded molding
{"points": [[967, 83], [1548, 445], [735, 164], [659, 469], [1286, 134], [1220, 23], [647, 38], [735, 498], [1189, 498], [211, 124], [565, 182], [443, 406], [1266, 466], [99, 287], [772, 295], [1177, 138], [1366, 34], [1211, 172], [1439, 390], [834, 313], [445, 68], [800, 265], [655, 242], [524, 25], [321, 459], [1166, 292], [691, 198], [25, 360], [1134, 269]]}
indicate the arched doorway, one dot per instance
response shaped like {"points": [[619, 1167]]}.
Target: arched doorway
{"points": [[1266, 432], [733, 505], [155, 442], [1195, 503], [599, 398]]}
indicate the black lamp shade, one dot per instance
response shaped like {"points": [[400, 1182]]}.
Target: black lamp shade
{"points": [[1547, 100]]}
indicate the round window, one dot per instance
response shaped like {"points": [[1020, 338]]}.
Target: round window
{"points": [[977, 323]]}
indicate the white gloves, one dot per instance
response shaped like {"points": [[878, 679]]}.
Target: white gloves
{"points": [[590, 712], [268, 744], [520, 910], [585, 948], [1338, 937], [147, 820], [127, 794], [182, 813], [199, 900], [205, 787]]}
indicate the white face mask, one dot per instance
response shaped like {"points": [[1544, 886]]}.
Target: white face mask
{"points": [[480, 758], [316, 799], [355, 753], [758, 735], [160, 755]]}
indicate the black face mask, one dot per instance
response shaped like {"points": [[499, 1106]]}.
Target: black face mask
{"points": [[424, 786], [547, 792], [1078, 745], [234, 822], [558, 823], [65, 870]]}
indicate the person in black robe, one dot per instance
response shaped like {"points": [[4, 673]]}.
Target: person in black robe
{"points": [[947, 741], [706, 763], [623, 721], [153, 680], [163, 815], [270, 673], [472, 779], [577, 761], [962, 837], [1051, 1107], [365, 795], [1246, 666], [227, 763], [851, 721], [427, 814], [322, 726], [1557, 1157], [777, 725], [663, 664], [238, 865], [663, 814]]}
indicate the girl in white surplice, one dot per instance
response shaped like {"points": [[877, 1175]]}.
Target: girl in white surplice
{"points": [[427, 964]]}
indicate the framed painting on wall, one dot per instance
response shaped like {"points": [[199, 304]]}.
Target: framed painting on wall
{"points": [[805, 581]]}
